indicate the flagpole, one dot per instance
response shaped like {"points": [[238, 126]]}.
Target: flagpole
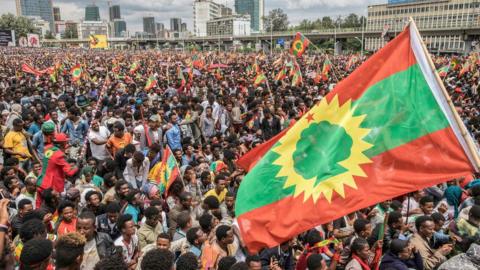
{"points": [[326, 55], [465, 134]]}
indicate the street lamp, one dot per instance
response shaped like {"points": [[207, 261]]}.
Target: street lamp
{"points": [[271, 34], [361, 41]]}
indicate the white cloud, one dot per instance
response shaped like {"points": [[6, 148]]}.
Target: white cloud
{"points": [[163, 10]]}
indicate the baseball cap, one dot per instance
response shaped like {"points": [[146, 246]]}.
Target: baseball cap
{"points": [[60, 137]]}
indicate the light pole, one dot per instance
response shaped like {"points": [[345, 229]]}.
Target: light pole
{"points": [[335, 40], [271, 34], [361, 48]]}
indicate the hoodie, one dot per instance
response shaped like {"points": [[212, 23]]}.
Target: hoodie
{"points": [[391, 261]]}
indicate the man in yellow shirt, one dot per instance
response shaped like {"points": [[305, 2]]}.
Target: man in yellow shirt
{"points": [[219, 191], [16, 144]]}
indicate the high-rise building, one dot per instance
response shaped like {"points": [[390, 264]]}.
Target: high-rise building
{"points": [[149, 25], [254, 8], [71, 29], [87, 28], [160, 27], [391, 18], [233, 25], [176, 24], [204, 11], [38, 8], [114, 12], [56, 14], [183, 27], [120, 28], [226, 11], [92, 13]]}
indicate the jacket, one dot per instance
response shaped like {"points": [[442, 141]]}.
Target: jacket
{"points": [[391, 261], [431, 258], [285, 259], [270, 129], [104, 244], [172, 218], [76, 134], [148, 235], [102, 227], [57, 169]]}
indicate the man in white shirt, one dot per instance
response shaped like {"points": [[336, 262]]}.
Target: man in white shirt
{"points": [[136, 171], [128, 241], [98, 137]]}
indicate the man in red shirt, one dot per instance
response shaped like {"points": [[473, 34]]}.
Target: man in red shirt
{"points": [[55, 167]]}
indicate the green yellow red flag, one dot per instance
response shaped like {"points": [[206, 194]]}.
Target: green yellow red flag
{"points": [[134, 67], [151, 82], [281, 75], [164, 173], [384, 131], [299, 45], [76, 72], [259, 79], [443, 71]]}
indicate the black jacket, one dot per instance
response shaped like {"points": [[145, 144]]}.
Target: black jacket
{"points": [[104, 244], [285, 259], [102, 226]]}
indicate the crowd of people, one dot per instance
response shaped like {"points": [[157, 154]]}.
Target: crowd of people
{"points": [[79, 155]]}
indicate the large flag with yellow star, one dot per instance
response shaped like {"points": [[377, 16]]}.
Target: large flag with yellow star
{"points": [[384, 131]]}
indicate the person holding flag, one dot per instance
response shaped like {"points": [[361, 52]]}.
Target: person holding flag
{"points": [[55, 168]]}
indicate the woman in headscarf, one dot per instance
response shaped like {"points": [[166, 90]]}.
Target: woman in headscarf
{"points": [[453, 195]]}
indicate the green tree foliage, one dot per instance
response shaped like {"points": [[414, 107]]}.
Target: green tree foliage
{"points": [[70, 32], [49, 35], [21, 25], [277, 19], [327, 22]]}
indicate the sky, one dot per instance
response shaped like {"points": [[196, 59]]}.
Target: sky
{"points": [[132, 11]]}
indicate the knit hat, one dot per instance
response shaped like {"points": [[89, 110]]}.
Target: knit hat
{"points": [[48, 127]]}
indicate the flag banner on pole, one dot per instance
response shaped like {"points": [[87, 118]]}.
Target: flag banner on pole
{"points": [[76, 72], [299, 45], [164, 173], [259, 79], [151, 82], [384, 131]]}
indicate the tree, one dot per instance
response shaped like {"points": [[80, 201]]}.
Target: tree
{"points": [[351, 21], [277, 19], [306, 25], [327, 22], [49, 35], [70, 32], [21, 25]]}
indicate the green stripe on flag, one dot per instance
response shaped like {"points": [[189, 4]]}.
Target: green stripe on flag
{"points": [[400, 109]]}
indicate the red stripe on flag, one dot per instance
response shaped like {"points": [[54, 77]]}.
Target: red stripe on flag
{"points": [[391, 174], [396, 56]]}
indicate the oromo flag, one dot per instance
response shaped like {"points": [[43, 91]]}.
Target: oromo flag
{"points": [[384, 131], [299, 45], [165, 172]]}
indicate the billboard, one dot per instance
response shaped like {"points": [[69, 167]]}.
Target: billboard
{"points": [[7, 38], [98, 41], [33, 40]]}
